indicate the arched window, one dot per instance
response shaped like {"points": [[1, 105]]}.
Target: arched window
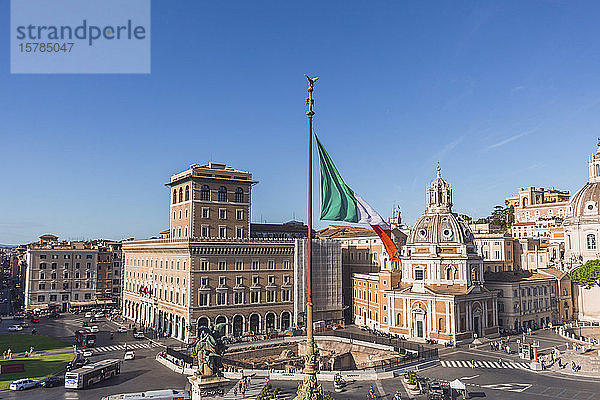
{"points": [[591, 241], [180, 194], [448, 274], [204, 193], [187, 192], [222, 193], [475, 274], [239, 195], [174, 196], [597, 169]]}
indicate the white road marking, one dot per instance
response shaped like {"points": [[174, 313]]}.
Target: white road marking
{"points": [[466, 378]]}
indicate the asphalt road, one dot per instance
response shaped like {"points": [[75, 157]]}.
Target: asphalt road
{"points": [[141, 374], [497, 381]]}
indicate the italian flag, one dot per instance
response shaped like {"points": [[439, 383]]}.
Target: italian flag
{"points": [[340, 203]]}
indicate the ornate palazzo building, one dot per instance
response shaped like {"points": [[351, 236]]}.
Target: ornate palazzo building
{"points": [[438, 291]]}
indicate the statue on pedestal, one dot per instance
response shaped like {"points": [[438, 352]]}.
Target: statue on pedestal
{"points": [[209, 350]]}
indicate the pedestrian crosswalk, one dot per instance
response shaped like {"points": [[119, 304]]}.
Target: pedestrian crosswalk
{"points": [[484, 364], [121, 347]]}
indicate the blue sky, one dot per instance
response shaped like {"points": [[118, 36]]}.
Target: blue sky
{"points": [[503, 94]]}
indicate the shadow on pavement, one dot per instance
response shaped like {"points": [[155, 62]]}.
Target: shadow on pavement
{"points": [[476, 394]]}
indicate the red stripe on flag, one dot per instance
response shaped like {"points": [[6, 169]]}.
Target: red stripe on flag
{"points": [[389, 244]]}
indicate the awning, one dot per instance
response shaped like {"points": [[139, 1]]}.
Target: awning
{"points": [[458, 385]]}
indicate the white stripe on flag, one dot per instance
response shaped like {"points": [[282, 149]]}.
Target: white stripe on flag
{"points": [[367, 215]]}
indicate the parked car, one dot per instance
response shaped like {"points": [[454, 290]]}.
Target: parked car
{"points": [[138, 335], [130, 355], [22, 384], [15, 328], [24, 325], [98, 315], [35, 320], [122, 329], [18, 317], [88, 315], [94, 329], [51, 381], [87, 353]]}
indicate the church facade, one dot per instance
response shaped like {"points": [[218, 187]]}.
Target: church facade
{"points": [[582, 230], [437, 291]]}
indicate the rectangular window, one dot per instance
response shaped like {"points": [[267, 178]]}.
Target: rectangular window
{"points": [[54, 265], [205, 212], [286, 264], [271, 279], [271, 264], [255, 280], [419, 274], [255, 264], [222, 213], [43, 266], [239, 214], [239, 281], [205, 231], [204, 266], [222, 265], [239, 265], [41, 299], [286, 279], [221, 298], [42, 286], [222, 231], [254, 296], [204, 281], [88, 296], [238, 297], [203, 299], [285, 295], [52, 297], [239, 232], [222, 281], [271, 298]]}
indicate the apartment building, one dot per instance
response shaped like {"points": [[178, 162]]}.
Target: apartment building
{"points": [[498, 251], [59, 274], [108, 274], [539, 213]]}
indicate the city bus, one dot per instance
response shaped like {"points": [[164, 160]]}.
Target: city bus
{"points": [[84, 377], [166, 394], [85, 338]]}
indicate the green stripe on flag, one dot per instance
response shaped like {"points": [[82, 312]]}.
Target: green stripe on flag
{"points": [[337, 199]]}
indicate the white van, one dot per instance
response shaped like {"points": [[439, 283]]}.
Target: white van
{"points": [[167, 394]]}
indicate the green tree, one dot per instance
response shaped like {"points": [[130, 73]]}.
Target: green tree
{"points": [[588, 275]]}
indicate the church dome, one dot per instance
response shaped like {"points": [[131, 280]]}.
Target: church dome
{"points": [[440, 228], [439, 225], [587, 199]]}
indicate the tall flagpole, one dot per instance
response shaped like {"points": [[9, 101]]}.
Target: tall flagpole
{"points": [[310, 389]]}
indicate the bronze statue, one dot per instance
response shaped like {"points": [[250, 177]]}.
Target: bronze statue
{"points": [[209, 350]]}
